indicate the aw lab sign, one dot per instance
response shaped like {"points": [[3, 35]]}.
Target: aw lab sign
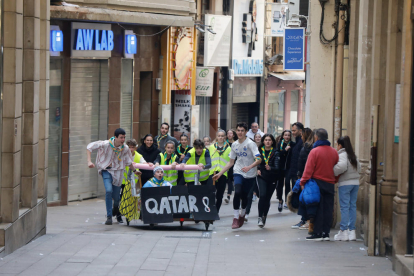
{"points": [[91, 40], [205, 81]]}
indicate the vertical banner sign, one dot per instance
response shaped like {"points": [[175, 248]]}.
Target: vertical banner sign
{"points": [[248, 31], [217, 46], [279, 18], [397, 113], [294, 49], [204, 82], [182, 113]]}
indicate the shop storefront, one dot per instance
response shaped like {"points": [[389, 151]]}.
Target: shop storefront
{"points": [[102, 77], [284, 101]]}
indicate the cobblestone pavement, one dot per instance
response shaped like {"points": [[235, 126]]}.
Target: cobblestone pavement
{"points": [[78, 243]]}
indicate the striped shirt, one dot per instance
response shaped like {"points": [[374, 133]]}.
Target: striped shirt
{"points": [[106, 157]]}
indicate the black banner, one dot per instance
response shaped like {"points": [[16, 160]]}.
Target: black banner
{"points": [[160, 205]]}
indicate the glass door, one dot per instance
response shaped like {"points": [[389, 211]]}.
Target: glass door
{"points": [[55, 130]]}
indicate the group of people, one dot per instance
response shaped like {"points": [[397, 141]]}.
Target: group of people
{"points": [[247, 161]]}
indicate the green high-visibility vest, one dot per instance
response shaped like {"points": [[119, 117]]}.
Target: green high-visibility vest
{"points": [[137, 159], [169, 175], [189, 176], [218, 161]]}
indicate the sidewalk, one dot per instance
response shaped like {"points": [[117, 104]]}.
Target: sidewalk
{"points": [[78, 243]]}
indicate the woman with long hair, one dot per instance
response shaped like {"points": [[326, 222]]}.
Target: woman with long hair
{"points": [[285, 153], [231, 138], [149, 151], [257, 139], [219, 154], [308, 140], [267, 175], [348, 169]]}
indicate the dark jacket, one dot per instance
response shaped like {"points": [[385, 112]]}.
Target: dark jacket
{"points": [[295, 157], [303, 157], [285, 156], [274, 166], [149, 154], [162, 142]]}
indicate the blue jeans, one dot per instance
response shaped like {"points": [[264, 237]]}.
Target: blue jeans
{"points": [[347, 199], [112, 192]]}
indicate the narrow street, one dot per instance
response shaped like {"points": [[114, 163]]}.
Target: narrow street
{"points": [[78, 243]]}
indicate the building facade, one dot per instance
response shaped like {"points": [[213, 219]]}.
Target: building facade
{"points": [[24, 121], [366, 93]]}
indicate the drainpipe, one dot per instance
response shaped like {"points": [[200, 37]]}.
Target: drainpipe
{"points": [[339, 75]]}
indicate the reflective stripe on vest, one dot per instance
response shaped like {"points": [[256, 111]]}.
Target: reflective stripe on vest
{"points": [[218, 162], [189, 176], [137, 159], [169, 175]]}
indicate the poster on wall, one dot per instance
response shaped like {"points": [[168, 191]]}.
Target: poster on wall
{"points": [[217, 46], [182, 113], [279, 18], [204, 81], [248, 30], [294, 49], [182, 61]]}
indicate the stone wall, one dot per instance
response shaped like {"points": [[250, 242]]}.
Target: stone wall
{"points": [[25, 122]]}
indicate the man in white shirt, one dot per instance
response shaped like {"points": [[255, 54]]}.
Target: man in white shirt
{"points": [[245, 171], [254, 130], [112, 158]]}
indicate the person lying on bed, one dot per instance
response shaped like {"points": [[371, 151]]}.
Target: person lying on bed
{"points": [[157, 180]]}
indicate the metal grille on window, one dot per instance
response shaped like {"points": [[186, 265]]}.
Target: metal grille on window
{"points": [[126, 97]]}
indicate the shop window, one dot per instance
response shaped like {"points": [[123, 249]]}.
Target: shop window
{"points": [[275, 113], [55, 130]]}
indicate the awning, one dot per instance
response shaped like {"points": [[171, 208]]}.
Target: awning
{"points": [[290, 75]]}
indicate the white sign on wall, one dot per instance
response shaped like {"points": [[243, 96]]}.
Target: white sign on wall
{"points": [[248, 30], [204, 81], [217, 46], [279, 18]]}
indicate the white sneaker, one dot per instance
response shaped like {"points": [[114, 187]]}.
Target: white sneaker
{"points": [[226, 200], [254, 197], [260, 222], [246, 218], [352, 235], [342, 236]]}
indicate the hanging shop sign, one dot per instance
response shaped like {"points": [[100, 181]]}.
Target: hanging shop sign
{"points": [[217, 46], [279, 18], [204, 81], [91, 40], [130, 44], [56, 40], [248, 30], [294, 49], [182, 113]]}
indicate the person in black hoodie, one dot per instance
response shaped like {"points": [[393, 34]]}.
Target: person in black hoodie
{"points": [[297, 129], [267, 175], [308, 140], [284, 147], [150, 152]]}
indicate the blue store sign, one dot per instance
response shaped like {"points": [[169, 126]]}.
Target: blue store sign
{"points": [[56, 41], [294, 49]]}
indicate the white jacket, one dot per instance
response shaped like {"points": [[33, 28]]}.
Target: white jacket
{"points": [[348, 174], [250, 134]]}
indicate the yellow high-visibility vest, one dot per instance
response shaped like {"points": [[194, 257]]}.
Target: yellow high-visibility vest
{"points": [[137, 159], [218, 161], [169, 175], [189, 176]]}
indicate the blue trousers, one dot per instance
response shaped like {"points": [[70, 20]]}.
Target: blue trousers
{"points": [[348, 195], [112, 192]]}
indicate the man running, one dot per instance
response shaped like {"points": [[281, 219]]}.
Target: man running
{"points": [[112, 158], [245, 171]]}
